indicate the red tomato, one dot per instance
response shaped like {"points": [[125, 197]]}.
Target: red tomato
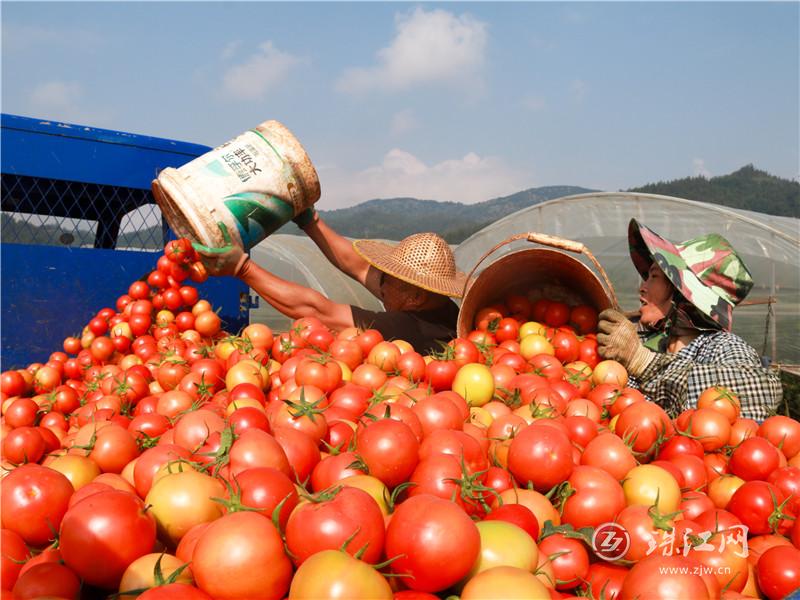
{"points": [[257, 448], [758, 504], [228, 562], [665, 577], [265, 488], [333, 468], [783, 432], [646, 424], [101, 535], [778, 572], [302, 451], [569, 560], [351, 398], [583, 318], [541, 456], [566, 346], [12, 557], [517, 514], [346, 517], [435, 543], [754, 458], [597, 498], [23, 445], [389, 449], [605, 580], [46, 580], [440, 374]]}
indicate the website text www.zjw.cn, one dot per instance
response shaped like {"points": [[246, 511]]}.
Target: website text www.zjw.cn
{"points": [[694, 570]]}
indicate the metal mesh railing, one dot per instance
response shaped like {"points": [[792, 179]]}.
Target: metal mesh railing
{"points": [[76, 214]]}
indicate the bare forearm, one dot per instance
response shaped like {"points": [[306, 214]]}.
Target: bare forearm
{"points": [[338, 250], [294, 300]]}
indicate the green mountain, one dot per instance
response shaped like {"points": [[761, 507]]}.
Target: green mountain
{"points": [[748, 188], [395, 218]]}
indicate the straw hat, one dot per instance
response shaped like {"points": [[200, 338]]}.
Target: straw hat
{"points": [[422, 259]]}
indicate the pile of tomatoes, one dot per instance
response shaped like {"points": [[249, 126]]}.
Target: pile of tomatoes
{"points": [[159, 456]]}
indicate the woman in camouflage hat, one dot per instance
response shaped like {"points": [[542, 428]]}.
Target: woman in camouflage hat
{"points": [[683, 343]]}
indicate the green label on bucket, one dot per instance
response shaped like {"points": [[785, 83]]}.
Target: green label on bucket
{"points": [[257, 215]]}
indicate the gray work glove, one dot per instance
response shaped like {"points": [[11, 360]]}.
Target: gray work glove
{"points": [[617, 339], [227, 260]]}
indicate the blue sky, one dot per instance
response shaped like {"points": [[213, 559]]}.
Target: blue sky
{"points": [[445, 101]]}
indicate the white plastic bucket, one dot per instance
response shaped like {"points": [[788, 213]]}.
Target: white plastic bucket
{"points": [[254, 183]]}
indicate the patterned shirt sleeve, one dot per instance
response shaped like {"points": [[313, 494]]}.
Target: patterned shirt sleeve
{"points": [[675, 381]]}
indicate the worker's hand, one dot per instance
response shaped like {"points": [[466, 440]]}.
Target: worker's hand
{"points": [[306, 218], [227, 260], [618, 340]]}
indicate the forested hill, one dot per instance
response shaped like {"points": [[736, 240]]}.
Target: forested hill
{"points": [[748, 188], [395, 218]]}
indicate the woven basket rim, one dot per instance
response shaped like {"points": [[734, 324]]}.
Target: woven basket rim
{"points": [[379, 255]]}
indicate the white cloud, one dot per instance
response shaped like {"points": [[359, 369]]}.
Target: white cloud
{"points": [[429, 47], [56, 95], [403, 122], [20, 37], [534, 102], [65, 101], [253, 78], [469, 179], [699, 168]]}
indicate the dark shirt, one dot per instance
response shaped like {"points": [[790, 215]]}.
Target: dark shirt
{"points": [[423, 329]]}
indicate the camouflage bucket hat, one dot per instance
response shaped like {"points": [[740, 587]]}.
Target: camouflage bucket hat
{"points": [[706, 270]]}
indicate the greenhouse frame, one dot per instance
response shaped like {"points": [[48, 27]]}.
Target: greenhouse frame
{"points": [[769, 319]]}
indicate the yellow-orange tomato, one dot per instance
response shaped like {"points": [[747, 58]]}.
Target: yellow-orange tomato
{"points": [[207, 323], [180, 500], [502, 583], [242, 403], [533, 344], [384, 355], [648, 485], [336, 574], [140, 574], [245, 371], [480, 416], [531, 328], [722, 488], [201, 306], [403, 345], [474, 382], [80, 470], [373, 486], [504, 544], [260, 335], [224, 349], [609, 371], [722, 400]]}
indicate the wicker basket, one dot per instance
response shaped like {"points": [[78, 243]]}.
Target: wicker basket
{"points": [[536, 273]]}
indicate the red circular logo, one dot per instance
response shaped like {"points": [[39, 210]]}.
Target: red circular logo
{"points": [[611, 541]]}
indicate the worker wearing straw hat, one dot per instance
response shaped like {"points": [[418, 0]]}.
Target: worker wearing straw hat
{"points": [[415, 279], [683, 343]]}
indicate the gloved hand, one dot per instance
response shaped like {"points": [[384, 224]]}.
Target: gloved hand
{"points": [[227, 260], [305, 218], [618, 340]]}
